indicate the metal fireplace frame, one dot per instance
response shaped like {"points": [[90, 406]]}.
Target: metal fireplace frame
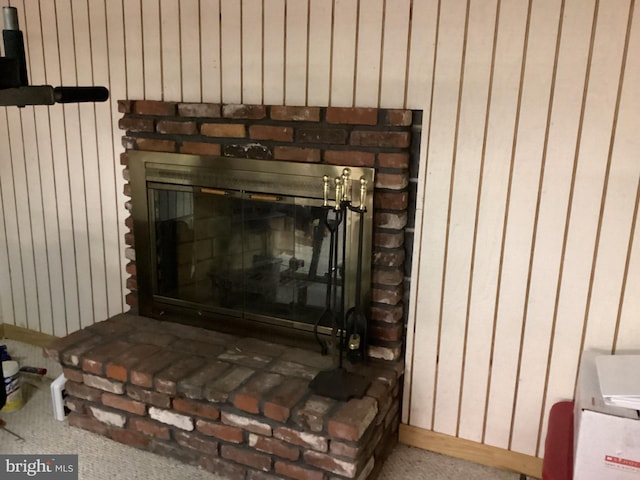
{"points": [[233, 176]]}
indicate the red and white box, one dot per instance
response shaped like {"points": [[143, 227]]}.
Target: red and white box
{"points": [[606, 438]]}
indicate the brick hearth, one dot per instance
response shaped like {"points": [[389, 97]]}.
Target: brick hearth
{"points": [[240, 407]]}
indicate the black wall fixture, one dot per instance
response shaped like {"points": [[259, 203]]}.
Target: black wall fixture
{"points": [[14, 83]]}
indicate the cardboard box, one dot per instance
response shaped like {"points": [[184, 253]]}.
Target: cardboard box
{"points": [[607, 439]]}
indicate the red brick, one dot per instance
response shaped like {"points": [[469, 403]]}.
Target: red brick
{"points": [[391, 220], [246, 457], [131, 268], [344, 449], [352, 158], [136, 124], [104, 384], [235, 130], [150, 428], [55, 348], [142, 374], [128, 142], [125, 106], [131, 299], [392, 181], [367, 138], [118, 367], [246, 423], [390, 333], [200, 148], [251, 112], [227, 469], [249, 396], [296, 114], [393, 160], [302, 439], [80, 390], [132, 284], [353, 116], [75, 404], [353, 418], [223, 432], [388, 240], [219, 390], [211, 110], [296, 154], [389, 258], [72, 374], [129, 239], [391, 277], [321, 135], [199, 409], [193, 385], [279, 403], [156, 145], [298, 473], [146, 396], [385, 313], [195, 442], [390, 296], [124, 403], [271, 132], [176, 127], [154, 107], [87, 423], [166, 381], [175, 451], [313, 413], [128, 437], [274, 447], [334, 465], [398, 118], [150, 337]]}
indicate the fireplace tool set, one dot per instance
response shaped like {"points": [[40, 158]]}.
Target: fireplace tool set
{"points": [[350, 326]]}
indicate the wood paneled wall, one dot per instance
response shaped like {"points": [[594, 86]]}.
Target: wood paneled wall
{"points": [[527, 249]]}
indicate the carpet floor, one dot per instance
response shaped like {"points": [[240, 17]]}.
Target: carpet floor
{"points": [[100, 458]]}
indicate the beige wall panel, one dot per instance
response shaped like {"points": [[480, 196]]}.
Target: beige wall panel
{"points": [[585, 206], [422, 43], [274, 52], [523, 216], [435, 216], [614, 228], [394, 54], [483, 320], [210, 51], [106, 164], [319, 61], [295, 75], [6, 281], [471, 371], [172, 88], [151, 48], [369, 54], [343, 59], [190, 44], [626, 148], [252, 51], [231, 51], [132, 17]]}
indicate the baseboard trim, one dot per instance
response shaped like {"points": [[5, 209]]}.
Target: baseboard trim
{"points": [[25, 335], [469, 450]]}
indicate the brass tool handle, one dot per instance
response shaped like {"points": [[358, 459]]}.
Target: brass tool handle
{"points": [[265, 198], [346, 185], [325, 190], [338, 192], [213, 191], [363, 194]]}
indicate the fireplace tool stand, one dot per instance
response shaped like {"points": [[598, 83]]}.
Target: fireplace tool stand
{"points": [[338, 383]]}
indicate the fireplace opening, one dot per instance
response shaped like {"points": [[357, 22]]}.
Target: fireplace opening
{"points": [[241, 245]]}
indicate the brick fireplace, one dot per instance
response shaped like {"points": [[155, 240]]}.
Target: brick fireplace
{"points": [[242, 406]]}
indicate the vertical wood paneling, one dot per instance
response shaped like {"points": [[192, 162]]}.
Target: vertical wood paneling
{"points": [[231, 50], [527, 244], [252, 51], [319, 61], [151, 49], [367, 78], [343, 58], [394, 54], [295, 74]]}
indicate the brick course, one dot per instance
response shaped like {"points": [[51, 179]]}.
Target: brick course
{"points": [[303, 435]]}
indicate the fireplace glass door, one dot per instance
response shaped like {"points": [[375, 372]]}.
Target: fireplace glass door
{"points": [[243, 254]]}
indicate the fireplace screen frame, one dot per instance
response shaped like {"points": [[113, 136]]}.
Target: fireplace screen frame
{"points": [[234, 175]]}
